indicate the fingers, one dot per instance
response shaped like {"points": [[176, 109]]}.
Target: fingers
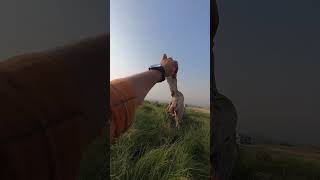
{"points": [[164, 56], [170, 66]]}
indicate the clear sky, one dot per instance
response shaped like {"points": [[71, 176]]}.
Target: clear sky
{"points": [[267, 63], [141, 31]]}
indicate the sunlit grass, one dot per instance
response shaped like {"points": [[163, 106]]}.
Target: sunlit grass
{"points": [[154, 149]]}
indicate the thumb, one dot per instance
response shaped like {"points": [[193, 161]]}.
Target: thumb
{"points": [[164, 56]]}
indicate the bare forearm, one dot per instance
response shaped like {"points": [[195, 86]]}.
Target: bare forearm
{"points": [[129, 92], [143, 82]]}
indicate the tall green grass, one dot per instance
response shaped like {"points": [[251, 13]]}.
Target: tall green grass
{"points": [[154, 149]]}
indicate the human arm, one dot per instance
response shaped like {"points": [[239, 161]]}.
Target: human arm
{"points": [[126, 94], [47, 117]]}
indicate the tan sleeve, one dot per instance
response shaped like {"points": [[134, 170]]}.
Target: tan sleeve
{"points": [[41, 119], [122, 107]]}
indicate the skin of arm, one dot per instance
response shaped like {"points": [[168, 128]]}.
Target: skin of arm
{"points": [[143, 82], [138, 85]]}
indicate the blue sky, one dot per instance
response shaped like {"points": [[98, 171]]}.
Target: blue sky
{"points": [[141, 31]]}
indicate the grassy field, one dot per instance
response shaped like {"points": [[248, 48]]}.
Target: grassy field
{"points": [[276, 162], [154, 149]]}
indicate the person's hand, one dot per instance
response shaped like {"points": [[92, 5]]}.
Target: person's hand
{"points": [[170, 66]]}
